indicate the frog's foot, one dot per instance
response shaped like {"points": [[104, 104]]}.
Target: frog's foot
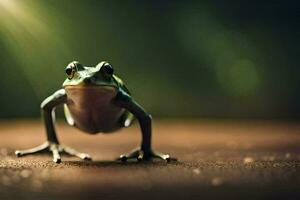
{"points": [[56, 149], [140, 155]]}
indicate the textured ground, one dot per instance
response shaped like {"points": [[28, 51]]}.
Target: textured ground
{"points": [[217, 159]]}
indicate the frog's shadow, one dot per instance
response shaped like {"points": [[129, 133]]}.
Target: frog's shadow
{"points": [[116, 163]]}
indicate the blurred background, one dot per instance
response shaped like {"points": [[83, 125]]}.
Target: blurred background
{"points": [[179, 58]]}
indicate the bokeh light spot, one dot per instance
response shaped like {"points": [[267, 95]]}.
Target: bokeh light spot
{"points": [[240, 79]]}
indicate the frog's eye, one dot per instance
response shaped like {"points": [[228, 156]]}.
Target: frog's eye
{"points": [[70, 70], [107, 69]]}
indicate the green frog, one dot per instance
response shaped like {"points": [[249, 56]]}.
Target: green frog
{"points": [[95, 101]]}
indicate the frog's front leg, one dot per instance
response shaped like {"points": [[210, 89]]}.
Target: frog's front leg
{"points": [[52, 143], [145, 152]]}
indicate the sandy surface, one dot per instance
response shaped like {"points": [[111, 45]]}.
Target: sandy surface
{"points": [[217, 159]]}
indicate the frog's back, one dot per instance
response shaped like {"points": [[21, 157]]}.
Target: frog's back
{"points": [[91, 109]]}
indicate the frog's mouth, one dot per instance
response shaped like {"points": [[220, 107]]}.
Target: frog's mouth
{"points": [[90, 83], [90, 92], [107, 88]]}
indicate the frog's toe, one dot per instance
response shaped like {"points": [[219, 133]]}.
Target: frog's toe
{"points": [[55, 149], [141, 156], [85, 156], [34, 150], [73, 152], [18, 153], [123, 158], [57, 160], [134, 154], [161, 156]]}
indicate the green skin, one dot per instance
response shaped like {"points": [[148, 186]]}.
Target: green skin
{"points": [[95, 100]]}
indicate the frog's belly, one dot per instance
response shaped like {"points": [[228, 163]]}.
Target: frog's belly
{"points": [[92, 110]]}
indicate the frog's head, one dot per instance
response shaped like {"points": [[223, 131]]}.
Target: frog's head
{"points": [[79, 75]]}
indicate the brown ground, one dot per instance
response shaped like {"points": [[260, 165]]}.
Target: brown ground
{"points": [[217, 159]]}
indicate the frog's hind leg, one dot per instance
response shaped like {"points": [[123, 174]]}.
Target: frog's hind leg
{"points": [[145, 152], [127, 119], [52, 145]]}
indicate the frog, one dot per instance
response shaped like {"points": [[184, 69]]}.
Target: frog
{"points": [[95, 100]]}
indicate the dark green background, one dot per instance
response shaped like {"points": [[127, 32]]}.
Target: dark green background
{"points": [[179, 58]]}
